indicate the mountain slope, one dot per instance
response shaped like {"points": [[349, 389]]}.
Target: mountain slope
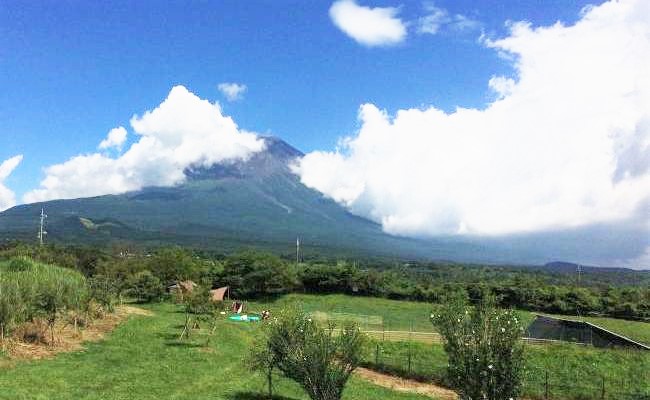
{"points": [[257, 202]]}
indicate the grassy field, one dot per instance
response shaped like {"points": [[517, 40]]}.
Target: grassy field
{"points": [[402, 315], [575, 372], [142, 359]]}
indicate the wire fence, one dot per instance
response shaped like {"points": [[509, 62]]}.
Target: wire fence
{"points": [[400, 347], [407, 360]]}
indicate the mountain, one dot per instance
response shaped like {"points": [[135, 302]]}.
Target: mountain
{"points": [[260, 203], [257, 202]]}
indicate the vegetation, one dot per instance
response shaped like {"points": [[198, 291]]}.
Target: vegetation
{"points": [[316, 358], [31, 291], [142, 359], [619, 294], [483, 347]]}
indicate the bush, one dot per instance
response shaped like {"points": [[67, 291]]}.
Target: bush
{"points": [[318, 359], [146, 287], [38, 292], [32, 332], [20, 264], [103, 291], [484, 349]]}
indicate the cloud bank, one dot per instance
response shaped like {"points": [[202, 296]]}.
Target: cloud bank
{"points": [[377, 26], [7, 196], [232, 91], [183, 131], [565, 144]]}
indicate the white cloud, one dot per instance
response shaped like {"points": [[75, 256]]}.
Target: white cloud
{"points": [[566, 145], [115, 139], [368, 26], [232, 91], [438, 18], [182, 131], [7, 196]]}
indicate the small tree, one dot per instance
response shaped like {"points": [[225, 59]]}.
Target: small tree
{"points": [[103, 292], [484, 348], [320, 360], [146, 287]]}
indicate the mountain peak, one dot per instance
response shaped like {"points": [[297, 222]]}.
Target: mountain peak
{"points": [[273, 160]]}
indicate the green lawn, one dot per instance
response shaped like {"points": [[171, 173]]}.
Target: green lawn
{"points": [[401, 315], [396, 315], [575, 372], [143, 360]]}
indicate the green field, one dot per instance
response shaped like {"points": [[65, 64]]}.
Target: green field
{"points": [[404, 315], [575, 371], [142, 359]]}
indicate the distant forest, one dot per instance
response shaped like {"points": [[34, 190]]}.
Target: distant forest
{"points": [[557, 288]]}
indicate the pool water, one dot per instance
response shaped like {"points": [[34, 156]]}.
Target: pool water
{"points": [[244, 318]]}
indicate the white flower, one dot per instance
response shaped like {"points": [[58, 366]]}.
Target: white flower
{"points": [[503, 330], [490, 366]]}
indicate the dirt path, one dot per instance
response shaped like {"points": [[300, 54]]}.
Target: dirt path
{"points": [[405, 385]]}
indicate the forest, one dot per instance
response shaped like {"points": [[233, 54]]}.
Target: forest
{"points": [[146, 275]]}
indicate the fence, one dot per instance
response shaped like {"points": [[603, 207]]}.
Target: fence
{"points": [[407, 360]]}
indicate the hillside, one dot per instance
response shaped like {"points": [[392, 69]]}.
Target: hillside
{"points": [[260, 203], [257, 202]]}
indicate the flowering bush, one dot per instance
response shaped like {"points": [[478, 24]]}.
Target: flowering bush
{"points": [[484, 349], [320, 360]]}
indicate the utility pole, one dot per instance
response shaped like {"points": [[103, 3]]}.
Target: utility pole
{"points": [[41, 231], [578, 305], [297, 250]]}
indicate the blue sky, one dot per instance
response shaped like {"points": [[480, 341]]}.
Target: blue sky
{"points": [[466, 118], [73, 70]]}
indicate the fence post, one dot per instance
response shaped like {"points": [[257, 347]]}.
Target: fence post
{"points": [[409, 359], [377, 355], [546, 386], [602, 394]]}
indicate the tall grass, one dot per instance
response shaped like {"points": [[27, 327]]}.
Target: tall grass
{"points": [[31, 291]]}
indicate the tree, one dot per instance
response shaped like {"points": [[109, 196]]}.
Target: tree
{"points": [[484, 348], [253, 273], [146, 287], [173, 264], [320, 360]]}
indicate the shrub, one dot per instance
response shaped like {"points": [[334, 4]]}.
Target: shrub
{"points": [[146, 287], [103, 292], [38, 292], [20, 264], [318, 359], [32, 332], [484, 348]]}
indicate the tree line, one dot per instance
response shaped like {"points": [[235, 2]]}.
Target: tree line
{"points": [[253, 274]]}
